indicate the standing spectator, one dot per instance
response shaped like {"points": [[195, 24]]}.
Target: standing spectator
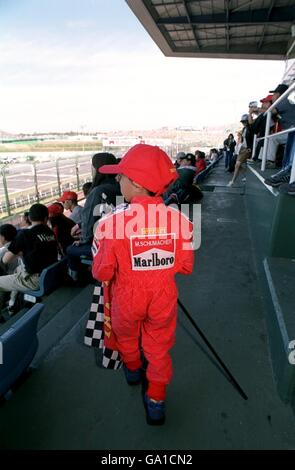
{"points": [[258, 124], [36, 247], [246, 147], [70, 202], [229, 146], [285, 111]]}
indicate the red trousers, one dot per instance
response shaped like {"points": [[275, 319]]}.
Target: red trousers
{"points": [[147, 321]]}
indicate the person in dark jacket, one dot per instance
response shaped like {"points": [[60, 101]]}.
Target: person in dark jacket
{"points": [[229, 147], [258, 124], [36, 247], [179, 190], [61, 226], [102, 197]]}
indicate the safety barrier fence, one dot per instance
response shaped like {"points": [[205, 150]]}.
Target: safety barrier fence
{"points": [[269, 136], [64, 174]]}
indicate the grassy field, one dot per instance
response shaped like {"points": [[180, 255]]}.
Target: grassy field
{"points": [[51, 146]]}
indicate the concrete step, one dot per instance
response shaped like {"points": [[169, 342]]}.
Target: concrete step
{"points": [[52, 332], [280, 301]]}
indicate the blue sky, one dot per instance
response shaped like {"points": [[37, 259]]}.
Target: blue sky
{"points": [[73, 64]]}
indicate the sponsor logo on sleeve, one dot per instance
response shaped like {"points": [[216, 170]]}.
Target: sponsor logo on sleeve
{"points": [[150, 252], [95, 247]]}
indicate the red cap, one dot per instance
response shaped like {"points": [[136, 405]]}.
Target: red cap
{"points": [[55, 209], [68, 195], [267, 99], [146, 165]]}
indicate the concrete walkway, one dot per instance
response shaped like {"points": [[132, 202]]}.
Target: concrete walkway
{"points": [[71, 403]]}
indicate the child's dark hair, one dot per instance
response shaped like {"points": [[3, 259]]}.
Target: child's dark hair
{"points": [[27, 218], [86, 188], [191, 158], [8, 231], [38, 212]]}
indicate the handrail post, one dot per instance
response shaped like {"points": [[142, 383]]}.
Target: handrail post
{"points": [[292, 176], [267, 127], [3, 171], [58, 175], [35, 181], [254, 146], [77, 173]]}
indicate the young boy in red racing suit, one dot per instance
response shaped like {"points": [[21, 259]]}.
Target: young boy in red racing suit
{"points": [[140, 249]]}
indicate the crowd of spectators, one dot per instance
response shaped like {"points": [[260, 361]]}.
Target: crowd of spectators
{"points": [[280, 148], [42, 236], [47, 233], [26, 253], [189, 166], [65, 228]]}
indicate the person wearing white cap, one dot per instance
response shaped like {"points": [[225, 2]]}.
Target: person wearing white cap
{"points": [[179, 157]]}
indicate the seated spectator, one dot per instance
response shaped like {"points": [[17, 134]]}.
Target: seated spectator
{"points": [[70, 202], [283, 176], [179, 190], [105, 190], [86, 188], [213, 155], [61, 227], [7, 234], [200, 161], [25, 220], [179, 156], [245, 149], [36, 247]]}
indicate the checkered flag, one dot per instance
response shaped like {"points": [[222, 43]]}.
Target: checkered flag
{"points": [[94, 334], [111, 359]]}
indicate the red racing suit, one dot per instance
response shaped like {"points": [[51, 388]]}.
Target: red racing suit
{"points": [[140, 248]]}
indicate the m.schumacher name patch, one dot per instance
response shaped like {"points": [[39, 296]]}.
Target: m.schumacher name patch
{"points": [[149, 252]]}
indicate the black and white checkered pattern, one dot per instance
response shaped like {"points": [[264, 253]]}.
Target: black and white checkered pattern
{"points": [[94, 334], [111, 359], [94, 328]]}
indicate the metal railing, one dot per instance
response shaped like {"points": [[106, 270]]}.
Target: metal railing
{"points": [[15, 201], [268, 136]]}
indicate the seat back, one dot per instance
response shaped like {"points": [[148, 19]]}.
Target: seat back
{"points": [[50, 278], [18, 347]]}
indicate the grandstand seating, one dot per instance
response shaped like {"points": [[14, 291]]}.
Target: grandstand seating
{"points": [[19, 346], [50, 279], [203, 174]]}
